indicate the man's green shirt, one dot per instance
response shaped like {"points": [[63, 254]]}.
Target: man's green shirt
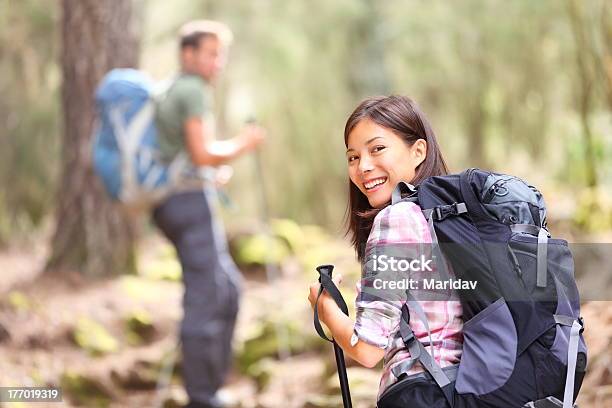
{"points": [[187, 97]]}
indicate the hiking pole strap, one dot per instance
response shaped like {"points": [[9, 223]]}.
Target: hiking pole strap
{"points": [[327, 284], [317, 323]]}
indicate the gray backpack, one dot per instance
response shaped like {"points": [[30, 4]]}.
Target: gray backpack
{"points": [[523, 343]]}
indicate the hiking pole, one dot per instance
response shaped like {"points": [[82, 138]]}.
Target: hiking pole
{"points": [[162, 386], [325, 279], [272, 272]]}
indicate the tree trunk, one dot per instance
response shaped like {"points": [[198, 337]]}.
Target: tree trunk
{"points": [[92, 236]]}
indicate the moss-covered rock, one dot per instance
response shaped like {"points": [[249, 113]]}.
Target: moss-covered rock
{"points": [[259, 250], [86, 390], [142, 289], [142, 375], [261, 341], [139, 327], [18, 301], [93, 337], [261, 372], [289, 231], [160, 263], [165, 268]]}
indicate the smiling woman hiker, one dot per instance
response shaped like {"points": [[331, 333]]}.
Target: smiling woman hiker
{"points": [[389, 141], [521, 343]]}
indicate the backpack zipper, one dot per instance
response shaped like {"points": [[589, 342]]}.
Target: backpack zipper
{"points": [[493, 190], [517, 266]]}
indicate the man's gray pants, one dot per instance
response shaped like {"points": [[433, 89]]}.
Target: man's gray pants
{"points": [[212, 288]]}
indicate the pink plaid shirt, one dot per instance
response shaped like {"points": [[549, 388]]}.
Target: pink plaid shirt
{"points": [[377, 321]]}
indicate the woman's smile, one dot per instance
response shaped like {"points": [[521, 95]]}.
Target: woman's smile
{"points": [[372, 185]]}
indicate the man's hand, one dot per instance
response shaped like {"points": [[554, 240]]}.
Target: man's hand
{"points": [[223, 175], [204, 150], [252, 135]]}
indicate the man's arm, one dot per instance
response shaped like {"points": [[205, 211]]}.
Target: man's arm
{"points": [[205, 151]]}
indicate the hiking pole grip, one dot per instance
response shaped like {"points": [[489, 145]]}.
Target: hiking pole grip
{"points": [[325, 279]]}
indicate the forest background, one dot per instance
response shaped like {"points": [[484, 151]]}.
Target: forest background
{"points": [[521, 87]]}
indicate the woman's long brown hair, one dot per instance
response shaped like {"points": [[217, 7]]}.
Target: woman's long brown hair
{"points": [[403, 117]]}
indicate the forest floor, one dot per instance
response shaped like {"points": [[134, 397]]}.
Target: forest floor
{"points": [[108, 342], [42, 316]]}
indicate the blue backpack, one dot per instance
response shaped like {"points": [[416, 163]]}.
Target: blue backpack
{"points": [[125, 151]]}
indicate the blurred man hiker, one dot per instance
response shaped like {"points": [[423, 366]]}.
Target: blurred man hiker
{"points": [[185, 123]]}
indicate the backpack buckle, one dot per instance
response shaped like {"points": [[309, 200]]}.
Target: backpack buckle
{"points": [[408, 338], [581, 321], [441, 212]]}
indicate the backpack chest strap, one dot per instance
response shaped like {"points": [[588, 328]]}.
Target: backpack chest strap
{"points": [[441, 212]]}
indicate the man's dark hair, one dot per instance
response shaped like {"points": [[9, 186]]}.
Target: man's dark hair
{"points": [[192, 33], [193, 40]]}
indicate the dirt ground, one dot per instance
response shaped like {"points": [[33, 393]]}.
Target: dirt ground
{"points": [[39, 314]]}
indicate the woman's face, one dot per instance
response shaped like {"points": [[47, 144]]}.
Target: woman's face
{"points": [[378, 160]]}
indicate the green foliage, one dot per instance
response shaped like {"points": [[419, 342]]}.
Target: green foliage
{"points": [[164, 265], [29, 111], [261, 342], [164, 269], [141, 289], [502, 93], [262, 371], [594, 212], [290, 232], [260, 249]]}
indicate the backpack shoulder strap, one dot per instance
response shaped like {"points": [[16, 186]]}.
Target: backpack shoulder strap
{"points": [[401, 188], [418, 351]]}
